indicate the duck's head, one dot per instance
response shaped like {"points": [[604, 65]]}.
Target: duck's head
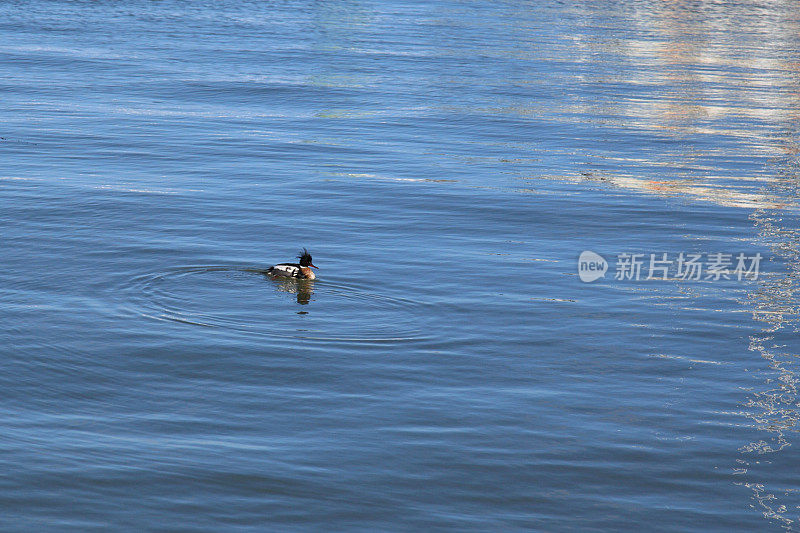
{"points": [[305, 259]]}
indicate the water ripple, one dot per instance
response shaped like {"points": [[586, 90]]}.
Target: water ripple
{"points": [[245, 300]]}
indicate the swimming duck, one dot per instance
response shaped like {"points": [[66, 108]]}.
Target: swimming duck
{"points": [[295, 270]]}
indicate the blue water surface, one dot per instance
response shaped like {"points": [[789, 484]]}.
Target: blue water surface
{"points": [[445, 163]]}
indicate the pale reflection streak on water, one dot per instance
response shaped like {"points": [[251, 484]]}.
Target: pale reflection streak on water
{"points": [[714, 74], [710, 74], [775, 407]]}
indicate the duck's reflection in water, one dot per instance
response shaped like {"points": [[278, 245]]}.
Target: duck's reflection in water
{"points": [[302, 288]]}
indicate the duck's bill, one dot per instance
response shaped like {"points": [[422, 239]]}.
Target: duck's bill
{"points": [[312, 266]]}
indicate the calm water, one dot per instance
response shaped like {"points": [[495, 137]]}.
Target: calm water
{"points": [[446, 163]]}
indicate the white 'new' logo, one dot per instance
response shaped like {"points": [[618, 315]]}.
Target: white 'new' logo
{"points": [[591, 266]]}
